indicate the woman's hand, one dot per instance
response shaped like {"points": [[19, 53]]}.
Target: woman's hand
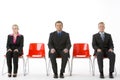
{"points": [[9, 50], [16, 50]]}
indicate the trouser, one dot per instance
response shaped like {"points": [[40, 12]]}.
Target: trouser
{"points": [[9, 56], [64, 57], [110, 56]]}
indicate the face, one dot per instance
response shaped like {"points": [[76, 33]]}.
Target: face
{"points": [[101, 27], [59, 26], [15, 29]]}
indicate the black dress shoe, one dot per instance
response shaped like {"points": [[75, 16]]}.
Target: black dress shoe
{"points": [[9, 75], [61, 75], [102, 75], [55, 75], [111, 75], [15, 75]]}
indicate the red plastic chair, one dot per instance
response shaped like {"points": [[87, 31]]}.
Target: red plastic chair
{"points": [[81, 50], [36, 50], [94, 65], [20, 57]]}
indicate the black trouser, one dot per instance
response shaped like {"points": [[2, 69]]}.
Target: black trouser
{"points": [[64, 57], [9, 56], [110, 56]]}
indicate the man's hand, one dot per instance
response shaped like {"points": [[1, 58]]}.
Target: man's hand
{"points": [[9, 50], [16, 50], [99, 50], [52, 51], [110, 50], [65, 50]]}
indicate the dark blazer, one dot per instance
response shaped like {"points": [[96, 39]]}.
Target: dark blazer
{"points": [[18, 45], [59, 43], [105, 45]]}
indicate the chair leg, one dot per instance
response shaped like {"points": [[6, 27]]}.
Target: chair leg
{"points": [[27, 66], [93, 66], [71, 67], [90, 64], [23, 66], [3, 66], [46, 66], [115, 71]]}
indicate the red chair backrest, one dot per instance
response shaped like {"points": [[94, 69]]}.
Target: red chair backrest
{"points": [[81, 49], [36, 50]]}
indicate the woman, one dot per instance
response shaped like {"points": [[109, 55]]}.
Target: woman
{"points": [[14, 50]]}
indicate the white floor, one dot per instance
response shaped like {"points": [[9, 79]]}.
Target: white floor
{"points": [[67, 77], [38, 71]]}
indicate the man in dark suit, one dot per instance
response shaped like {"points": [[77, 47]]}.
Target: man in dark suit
{"points": [[103, 46], [59, 45]]}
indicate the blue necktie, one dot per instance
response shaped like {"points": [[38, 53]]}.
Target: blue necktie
{"points": [[59, 34]]}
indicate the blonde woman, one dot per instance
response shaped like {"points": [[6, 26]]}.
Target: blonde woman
{"points": [[15, 43]]}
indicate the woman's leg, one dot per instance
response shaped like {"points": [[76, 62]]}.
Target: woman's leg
{"points": [[9, 61], [15, 61]]}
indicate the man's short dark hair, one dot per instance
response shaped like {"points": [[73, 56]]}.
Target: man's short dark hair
{"points": [[58, 22]]}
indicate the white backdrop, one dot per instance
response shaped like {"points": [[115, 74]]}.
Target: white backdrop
{"points": [[36, 20]]}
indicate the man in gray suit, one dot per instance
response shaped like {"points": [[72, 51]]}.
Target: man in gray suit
{"points": [[103, 46]]}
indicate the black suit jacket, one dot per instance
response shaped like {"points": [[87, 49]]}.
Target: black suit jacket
{"points": [[105, 45], [18, 45], [59, 43]]}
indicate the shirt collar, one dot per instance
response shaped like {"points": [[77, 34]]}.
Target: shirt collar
{"points": [[101, 32], [59, 31], [13, 34]]}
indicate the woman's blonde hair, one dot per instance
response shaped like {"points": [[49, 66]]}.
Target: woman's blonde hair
{"points": [[15, 26]]}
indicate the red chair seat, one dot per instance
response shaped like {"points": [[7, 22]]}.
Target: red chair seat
{"points": [[82, 56], [35, 56]]}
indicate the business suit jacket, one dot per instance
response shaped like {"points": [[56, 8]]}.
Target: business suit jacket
{"points": [[105, 45], [18, 45], [59, 43]]}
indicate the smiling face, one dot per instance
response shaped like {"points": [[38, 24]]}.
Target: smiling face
{"points": [[101, 27]]}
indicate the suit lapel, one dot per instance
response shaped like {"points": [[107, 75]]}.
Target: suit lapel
{"points": [[17, 39], [56, 36], [100, 37], [62, 35], [105, 37], [12, 39], [58, 39]]}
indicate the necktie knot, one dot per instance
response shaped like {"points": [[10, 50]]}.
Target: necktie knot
{"points": [[59, 34]]}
